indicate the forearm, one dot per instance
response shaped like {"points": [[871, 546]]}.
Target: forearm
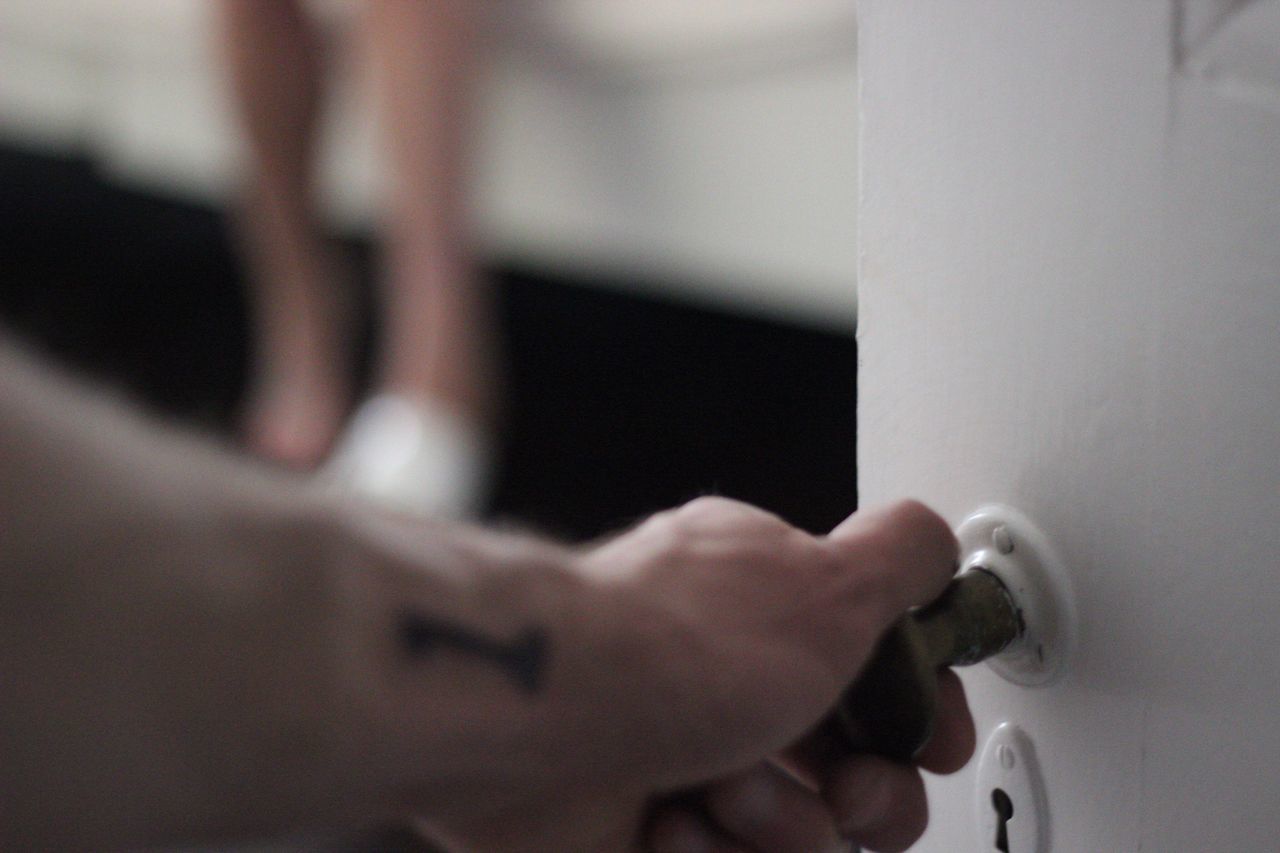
{"points": [[473, 677], [150, 593], [194, 648]]}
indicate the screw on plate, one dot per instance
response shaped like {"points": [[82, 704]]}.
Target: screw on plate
{"points": [[890, 709], [1002, 540]]}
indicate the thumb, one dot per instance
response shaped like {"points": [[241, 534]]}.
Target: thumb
{"points": [[904, 554]]}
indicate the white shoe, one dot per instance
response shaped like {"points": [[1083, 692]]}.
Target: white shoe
{"points": [[413, 456]]}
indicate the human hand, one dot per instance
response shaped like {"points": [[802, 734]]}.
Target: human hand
{"points": [[248, 657], [817, 797], [725, 638]]}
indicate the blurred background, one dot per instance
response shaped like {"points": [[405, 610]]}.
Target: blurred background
{"points": [[662, 193]]}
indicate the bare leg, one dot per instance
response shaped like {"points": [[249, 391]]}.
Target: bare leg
{"points": [[438, 329], [300, 388]]}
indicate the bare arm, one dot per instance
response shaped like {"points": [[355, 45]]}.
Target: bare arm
{"points": [[194, 649]]}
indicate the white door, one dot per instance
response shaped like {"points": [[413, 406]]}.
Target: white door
{"points": [[1070, 303]]}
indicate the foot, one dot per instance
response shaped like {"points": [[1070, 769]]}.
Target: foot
{"points": [[300, 393], [295, 423], [415, 456]]}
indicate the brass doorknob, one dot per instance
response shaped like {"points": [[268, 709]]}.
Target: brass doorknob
{"points": [[890, 709]]}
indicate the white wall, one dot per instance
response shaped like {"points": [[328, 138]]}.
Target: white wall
{"points": [[1070, 302], [707, 146]]}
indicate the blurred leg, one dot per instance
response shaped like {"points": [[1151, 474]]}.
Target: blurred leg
{"points": [[438, 343], [299, 392]]}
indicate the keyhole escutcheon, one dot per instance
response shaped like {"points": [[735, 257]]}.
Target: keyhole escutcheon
{"points": [[1004, 811], [1009, 777]]}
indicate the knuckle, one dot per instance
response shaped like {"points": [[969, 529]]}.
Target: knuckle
{"points": [[708, 506], [713, 513], [915, 517], [666, 531], [913, 530], [865, 565]]}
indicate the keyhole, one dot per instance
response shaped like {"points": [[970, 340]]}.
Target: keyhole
{"points": [[1004, 812]]}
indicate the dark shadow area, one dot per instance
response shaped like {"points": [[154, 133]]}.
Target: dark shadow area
{"points": [[618, 404]]}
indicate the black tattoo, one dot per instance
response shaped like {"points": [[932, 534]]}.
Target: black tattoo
{"points": [[524, 658]]}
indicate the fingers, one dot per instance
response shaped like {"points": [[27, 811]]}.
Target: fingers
{"points": [[813, 756], [865, 800], [878, 803], [904, 553], [949, 748], [769, 810], [678, 830], [954, 736], [868, 801]]}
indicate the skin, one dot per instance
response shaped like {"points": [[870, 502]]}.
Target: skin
{"points": [[274, 56], [437, 330], [195, 649]]}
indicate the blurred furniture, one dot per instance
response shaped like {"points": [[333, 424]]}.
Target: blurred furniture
{"points": [[706, 148]]}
